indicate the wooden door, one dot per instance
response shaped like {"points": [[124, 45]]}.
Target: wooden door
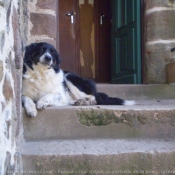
{"points": [[68, 35], [126, 42], [82, 51], [103, 40]]}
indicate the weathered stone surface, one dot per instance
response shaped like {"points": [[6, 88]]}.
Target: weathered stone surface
{"points": [[45, 4], [156, 58], [138, 92], [131, 118], [118, 122], [5, 3], [16, 67], [118, 164], [170, 72], [10, 31], [7, 89], [2, 4], [158, 3], [8, 17], [1, 71], [17, 41], [53, 42], [24, 19], [160, 28], [43, 24], [18, 102], [7, 166], [2, 39]]}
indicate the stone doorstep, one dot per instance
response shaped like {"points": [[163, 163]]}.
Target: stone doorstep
{"points": [[139, 92], [146, 119], [104, 156]]}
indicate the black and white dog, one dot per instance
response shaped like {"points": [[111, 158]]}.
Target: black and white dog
{"points": [[45, 84]]}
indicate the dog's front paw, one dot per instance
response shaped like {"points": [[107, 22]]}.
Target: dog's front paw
{"points": [[29, 106], [32, 112], [43, 103]]}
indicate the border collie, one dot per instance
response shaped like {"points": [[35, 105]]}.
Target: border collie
{"points": [[45, 84]]}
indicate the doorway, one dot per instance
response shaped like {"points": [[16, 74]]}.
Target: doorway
{"points": [[86, 29]]}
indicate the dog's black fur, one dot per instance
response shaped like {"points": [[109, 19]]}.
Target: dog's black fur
{"points": [[88, 86]]}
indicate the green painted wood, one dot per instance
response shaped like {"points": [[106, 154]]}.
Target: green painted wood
{"points": [[126, 42]]}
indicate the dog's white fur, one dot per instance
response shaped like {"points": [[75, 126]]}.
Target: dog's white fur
{"points": [[44, 94], [52, 93]]}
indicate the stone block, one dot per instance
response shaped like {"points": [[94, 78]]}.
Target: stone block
{"points": [[156, 58], [45, 4], [170, 72], [2, 40], [102, 122], [8, 17], [43, 24], [53, 42], [7, 89], [1, 71], [17, 41], [145, 163], [160, 25], [5, 3], [158, 3]]}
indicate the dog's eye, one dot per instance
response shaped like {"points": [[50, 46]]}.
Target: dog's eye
{"points": [[43, 49], [52, 51]]}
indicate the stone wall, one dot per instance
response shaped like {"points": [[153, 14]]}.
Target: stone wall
{"points": [[159, 33], [12, 25], [42, 21]]}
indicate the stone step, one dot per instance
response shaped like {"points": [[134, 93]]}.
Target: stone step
{"points": [[146, 119], [139, 92], [100, 156]]}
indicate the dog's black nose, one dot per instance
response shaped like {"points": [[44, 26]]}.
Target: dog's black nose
{"points": [[47, 58]]}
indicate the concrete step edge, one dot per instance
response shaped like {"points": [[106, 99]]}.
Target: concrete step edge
{"points": [[98, 147], [139, 91], [102, 122]]}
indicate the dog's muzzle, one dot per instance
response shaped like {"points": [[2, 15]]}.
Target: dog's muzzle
{"points": [[46, 59]]}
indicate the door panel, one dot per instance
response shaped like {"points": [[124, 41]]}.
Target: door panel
{"points": [[68, 35], [87, 39], [103, 40], [126, 54]]}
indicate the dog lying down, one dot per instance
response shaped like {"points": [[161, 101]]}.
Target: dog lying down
{"points": [[45, 84]]}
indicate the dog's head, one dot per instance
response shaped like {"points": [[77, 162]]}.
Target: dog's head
{"points": [[43, 53]]}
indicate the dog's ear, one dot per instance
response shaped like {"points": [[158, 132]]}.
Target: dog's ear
{"points": [[30, 48], [29, 51], [57, 57]]}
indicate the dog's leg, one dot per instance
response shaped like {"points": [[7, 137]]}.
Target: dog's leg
{"points": [[49, 100], [29, 106]]}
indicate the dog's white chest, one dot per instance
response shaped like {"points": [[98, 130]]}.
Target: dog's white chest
{"points": [[39, 82]]}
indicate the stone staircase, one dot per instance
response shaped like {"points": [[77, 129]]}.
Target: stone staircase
{"points": [[137, 139]]}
